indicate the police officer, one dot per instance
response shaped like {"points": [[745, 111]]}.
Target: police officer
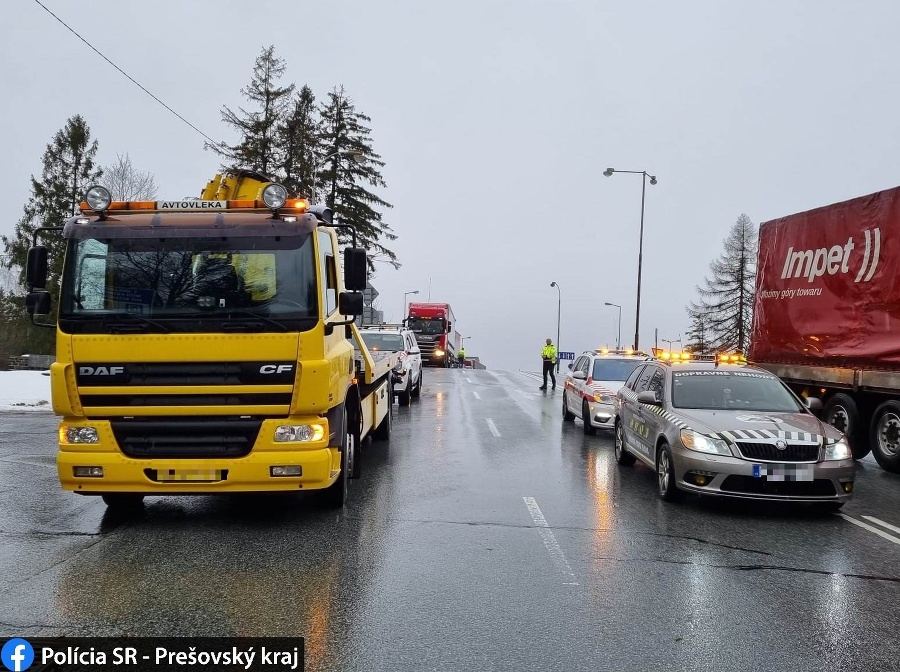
{"points": [[548, 355], [461, 356]]}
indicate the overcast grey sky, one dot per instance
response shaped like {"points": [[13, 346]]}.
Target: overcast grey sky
{"points": [[496, 120]]}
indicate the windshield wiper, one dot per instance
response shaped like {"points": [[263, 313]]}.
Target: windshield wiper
{"points": [[134, 316], [256, 316]]}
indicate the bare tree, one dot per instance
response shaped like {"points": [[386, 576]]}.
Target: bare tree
{"points": [[127, 184], [9, 275]]}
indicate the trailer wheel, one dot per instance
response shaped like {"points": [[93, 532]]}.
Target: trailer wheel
{"points": [[886, 436], [842, 413]]}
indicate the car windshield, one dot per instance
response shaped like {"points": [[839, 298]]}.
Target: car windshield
{"points": [[424, 325], [614, 369], [383, 341], [732, 390], [189, 284]]}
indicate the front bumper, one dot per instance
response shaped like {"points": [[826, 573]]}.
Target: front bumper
{"points": [[319, 464], [603, 416], [733, 477]]}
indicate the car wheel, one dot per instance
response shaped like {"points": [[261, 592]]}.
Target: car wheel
{"points": [[417, 390], [886, 436], [589, 429], [567, 414], [404, 396], [123, 500], [665, 475], [842, 413], [623, 457]]}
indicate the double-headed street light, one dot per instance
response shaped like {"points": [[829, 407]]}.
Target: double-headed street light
{"points": [[644, 175], [354, 154], [405, 294], [558, 315], [619, 336]]}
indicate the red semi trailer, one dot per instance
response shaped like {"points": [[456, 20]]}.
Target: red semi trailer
{"points": [[826, 316]]}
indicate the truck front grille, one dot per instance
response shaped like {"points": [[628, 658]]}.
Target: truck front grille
{"points": [[186, 437]]}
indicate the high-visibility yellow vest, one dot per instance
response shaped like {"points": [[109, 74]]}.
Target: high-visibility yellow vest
{"points": [[548, 352]]}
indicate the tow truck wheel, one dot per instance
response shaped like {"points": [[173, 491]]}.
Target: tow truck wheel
{"points": [[335, 494], [842, 413], [589, 429], [567, 414], [123, 500]]}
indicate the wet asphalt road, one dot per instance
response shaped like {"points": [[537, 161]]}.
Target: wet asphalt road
{"points": [[489, 535]]}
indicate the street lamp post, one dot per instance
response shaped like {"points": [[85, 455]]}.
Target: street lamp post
{"points": [[352, 153], [619, 335], [405, 294], [644, 175], [558, 316]]}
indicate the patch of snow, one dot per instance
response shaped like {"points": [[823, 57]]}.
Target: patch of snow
{"points": [[25, 391]]}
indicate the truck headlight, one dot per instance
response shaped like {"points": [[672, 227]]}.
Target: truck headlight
{"points": [[69, 434], [704, 444], [838, 450], [299, 433], [438, 352]]}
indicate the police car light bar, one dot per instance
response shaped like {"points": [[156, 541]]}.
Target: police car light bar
{"points": [[620, 351], [297, 205]]}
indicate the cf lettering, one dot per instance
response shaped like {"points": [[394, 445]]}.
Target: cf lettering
{"points": [[276, 368]]}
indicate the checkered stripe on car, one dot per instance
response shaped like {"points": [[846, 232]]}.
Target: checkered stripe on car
{"points": [[670, 417], [756, 434]]}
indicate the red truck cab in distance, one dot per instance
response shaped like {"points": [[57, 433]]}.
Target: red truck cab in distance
{"points": [[433, 324]]}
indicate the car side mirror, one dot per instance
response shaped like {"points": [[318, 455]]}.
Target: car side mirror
{"points": [[579, 375], [36, 268], [350, 303], [648, 397], [355, 270], [814, 403]]}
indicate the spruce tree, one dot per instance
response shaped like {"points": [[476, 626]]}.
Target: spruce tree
{"points": [[68, 169], [344, 178], [258, 148], [726, 299], [298, 139]]}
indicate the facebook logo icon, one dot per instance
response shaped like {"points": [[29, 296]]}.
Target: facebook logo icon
{"points": [[17, 655]]}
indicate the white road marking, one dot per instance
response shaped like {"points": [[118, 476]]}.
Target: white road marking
{"points": [[874, 530], [892, 528], [493, 427], [468, 380], [477, 396], [553, 547]]}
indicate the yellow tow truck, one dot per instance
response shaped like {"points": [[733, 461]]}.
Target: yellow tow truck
{"points": [[206, 346]]}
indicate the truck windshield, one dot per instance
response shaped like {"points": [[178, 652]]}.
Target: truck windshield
{"points": [[189, 284], [726, 390], [426, 325]]}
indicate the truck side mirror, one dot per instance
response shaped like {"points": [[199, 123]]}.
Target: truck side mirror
{"points": [[37, 303], [449, 327], [350, 303], [355, 270], [36, 268]]}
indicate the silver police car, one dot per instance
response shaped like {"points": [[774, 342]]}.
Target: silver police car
{"points": [[731, 430]]}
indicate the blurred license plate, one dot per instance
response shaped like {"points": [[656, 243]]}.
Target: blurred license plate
{"points": [[783, 472], [189, 475]]}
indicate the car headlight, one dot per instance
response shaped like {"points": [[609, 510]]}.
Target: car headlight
{"points": [[704, 444], [838, 450]]}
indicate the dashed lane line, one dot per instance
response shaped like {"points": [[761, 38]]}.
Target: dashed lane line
{"points": [[493, 427], [549, 539], [477, 396]]}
